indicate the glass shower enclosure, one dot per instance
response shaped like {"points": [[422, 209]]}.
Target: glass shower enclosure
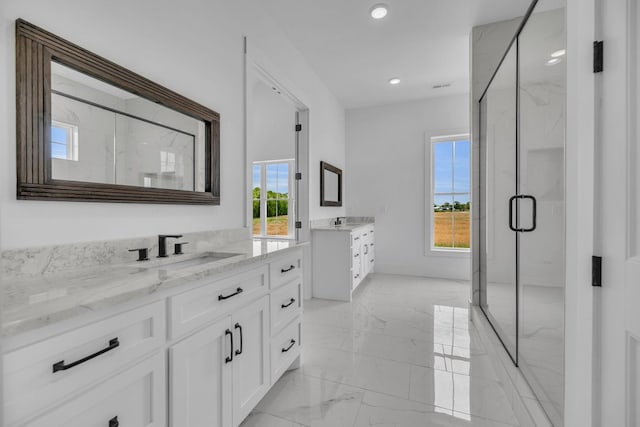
{"points": [[522, 140]]}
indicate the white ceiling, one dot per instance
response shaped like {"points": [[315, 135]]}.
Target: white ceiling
{"points": [[423, 42]]}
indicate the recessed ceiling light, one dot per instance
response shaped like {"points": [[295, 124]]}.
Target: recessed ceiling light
{"points": [[394, 81], [553, 61], [559, 53], [379, 11]]}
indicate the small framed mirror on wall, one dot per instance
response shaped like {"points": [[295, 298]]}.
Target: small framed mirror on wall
{"points": [[91, 130], [330, 185]]}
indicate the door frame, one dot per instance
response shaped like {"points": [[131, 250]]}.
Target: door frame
{"points": [[581, 319], [259, 66]]}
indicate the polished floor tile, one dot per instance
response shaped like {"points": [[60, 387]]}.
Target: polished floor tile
{"points": [[402, 354]]}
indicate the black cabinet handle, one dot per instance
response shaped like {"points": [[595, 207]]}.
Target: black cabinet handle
{"points": [[356, 276], [230, 357], [356, 255], [239, 352], [60, 366], [286, 270], [366, 248], [291, 301], [293, 342], [113, 422], [356, 238], [223, 297], [371, 260]]}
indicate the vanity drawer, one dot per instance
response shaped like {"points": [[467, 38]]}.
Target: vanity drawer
{"points": [[197, 307], [42, 374], [135, 397], [286, 304], [285, 269], [285, 348]]}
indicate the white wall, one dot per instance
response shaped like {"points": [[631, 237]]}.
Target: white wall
{"points": [[271, 124], [193, 47], [385, 175]]}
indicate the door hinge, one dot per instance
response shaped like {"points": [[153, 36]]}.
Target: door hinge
{"points": [[298, 224], [298, 176], [298, 128], [598, 56], [596, 271]]}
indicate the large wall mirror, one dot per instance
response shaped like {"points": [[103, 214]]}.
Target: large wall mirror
{"points": [[90, 130], [330, 185]]}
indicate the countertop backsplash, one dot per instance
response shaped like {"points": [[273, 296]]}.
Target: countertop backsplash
{"points": [[324, 222], [45, 260]]}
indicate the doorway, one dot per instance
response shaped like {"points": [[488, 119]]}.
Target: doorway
{"points": [[276, 157]]}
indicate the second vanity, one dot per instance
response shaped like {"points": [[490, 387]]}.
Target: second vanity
{"points": [[343, 256], [182, 343]]}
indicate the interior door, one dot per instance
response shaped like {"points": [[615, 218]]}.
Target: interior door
{"points": [[618, 219], [498, 268]]}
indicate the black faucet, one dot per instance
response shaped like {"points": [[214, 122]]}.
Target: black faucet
{"points": [[162, 243]]}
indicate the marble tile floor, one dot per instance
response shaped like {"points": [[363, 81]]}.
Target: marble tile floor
{"points": [[402, 354]]}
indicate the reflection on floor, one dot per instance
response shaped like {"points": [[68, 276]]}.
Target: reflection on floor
{"points": [[403, 354]]}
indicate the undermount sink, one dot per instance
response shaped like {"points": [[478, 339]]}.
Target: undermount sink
{"points": [[204, 258]]}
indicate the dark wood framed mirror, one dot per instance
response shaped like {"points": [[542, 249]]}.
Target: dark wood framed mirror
{"points": [[330, 185], [91, 130]]}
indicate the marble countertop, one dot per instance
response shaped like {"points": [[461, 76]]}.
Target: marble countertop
{"points": [[342, 227], [35, 302]]}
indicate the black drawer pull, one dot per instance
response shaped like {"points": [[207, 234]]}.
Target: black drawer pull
{"points": [[239, 352], [230, 357], [293, 342], [291, 301], [60, 366], [113, 422], [371, 260], [356, 276], [238, 291], [356, 238], [286, 270], [356, 255]]}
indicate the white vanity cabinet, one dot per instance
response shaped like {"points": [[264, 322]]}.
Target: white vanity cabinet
{"points": [[203, 356], [342, 258]]}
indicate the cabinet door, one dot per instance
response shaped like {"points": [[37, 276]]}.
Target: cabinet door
{"points": [[251, 357], [201, 381]]}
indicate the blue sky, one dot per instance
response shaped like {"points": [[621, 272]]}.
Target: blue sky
{"points": [[451, 177], [277, 177]]}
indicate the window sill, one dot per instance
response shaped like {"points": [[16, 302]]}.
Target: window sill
{"points": [[448, 253]]}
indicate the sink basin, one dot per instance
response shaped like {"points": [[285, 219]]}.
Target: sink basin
{"points": [[204, 258]]}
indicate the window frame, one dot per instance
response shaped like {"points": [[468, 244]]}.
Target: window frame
{"points": [[430, 142], [71, 131], [263, 199]]}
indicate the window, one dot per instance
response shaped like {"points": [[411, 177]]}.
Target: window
{"points": [[451, 193], [273, 203], [64, 141]]}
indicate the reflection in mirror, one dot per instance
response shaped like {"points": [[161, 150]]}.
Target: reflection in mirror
{"points": [[330, 185], [103, 134]]}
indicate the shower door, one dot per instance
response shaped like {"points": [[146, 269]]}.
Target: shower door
{"points": [[522, 140]]}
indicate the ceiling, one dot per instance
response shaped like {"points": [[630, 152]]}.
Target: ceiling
{"points": [[422, 42]]}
